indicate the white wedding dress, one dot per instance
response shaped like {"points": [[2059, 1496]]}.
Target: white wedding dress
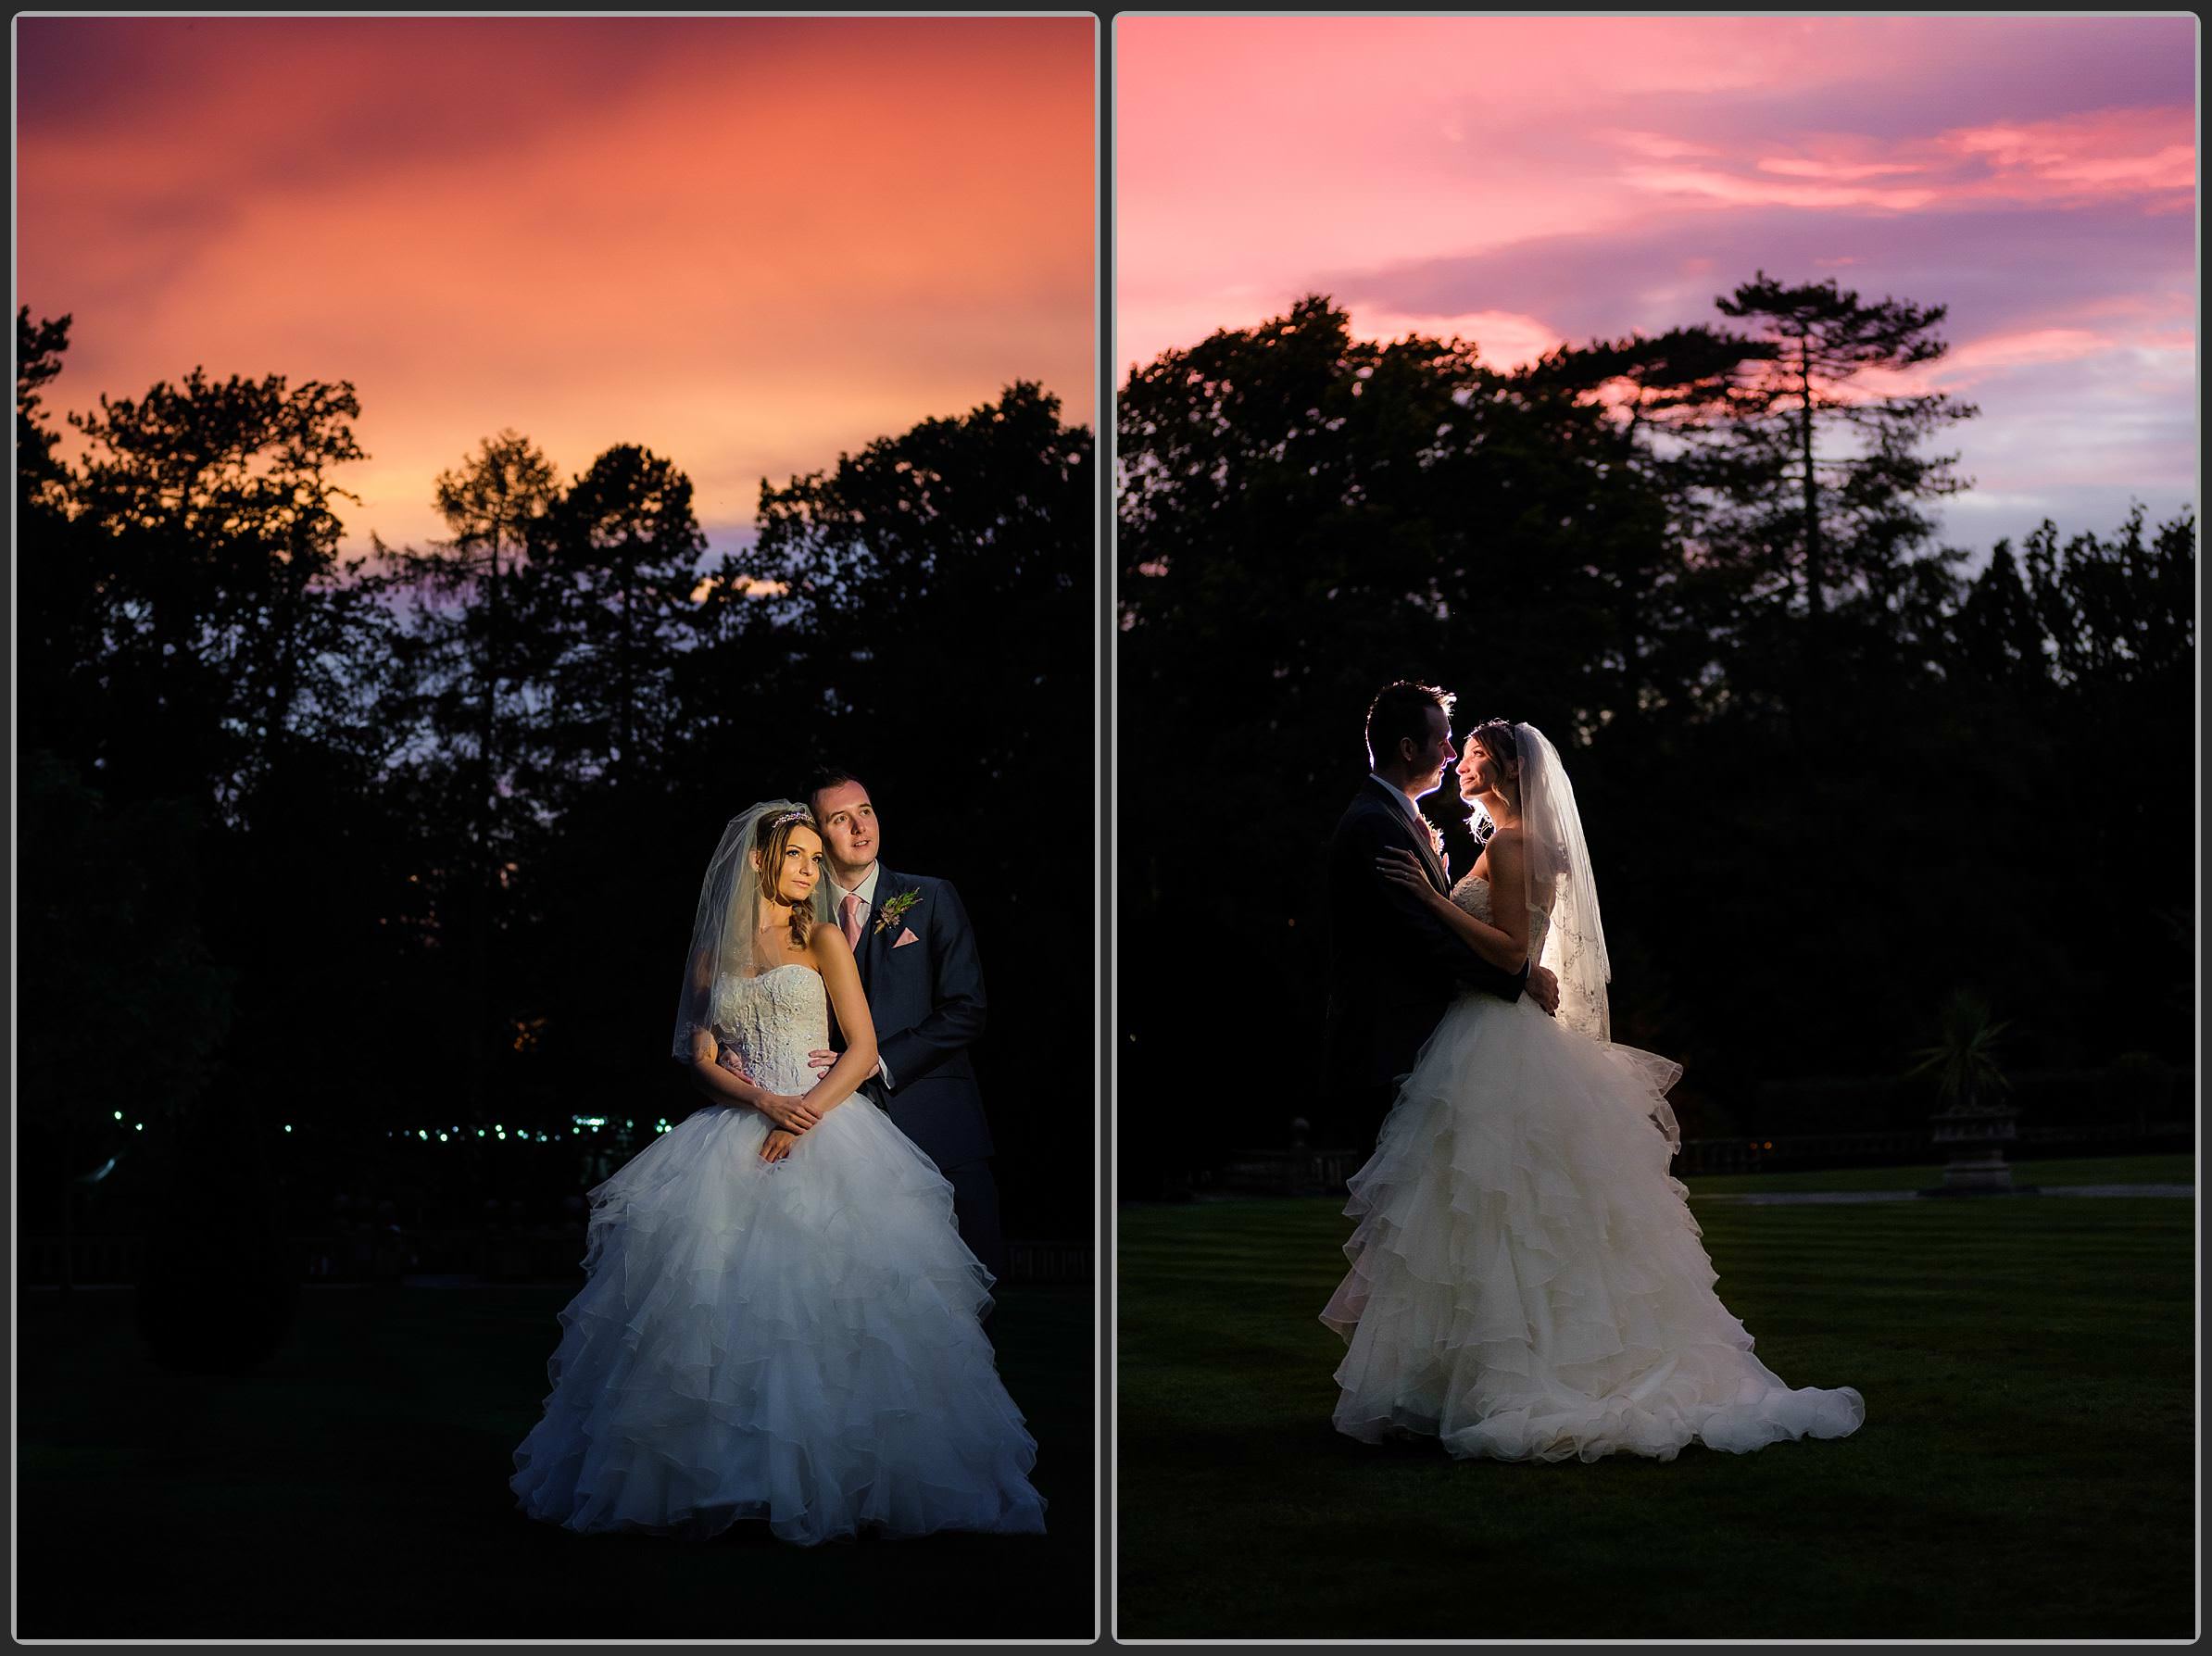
{"points": [[796, 1341], [1527, 1281]]}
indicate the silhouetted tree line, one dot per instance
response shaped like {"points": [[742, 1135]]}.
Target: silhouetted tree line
{"points": [[358, 842], [1831, 772]]}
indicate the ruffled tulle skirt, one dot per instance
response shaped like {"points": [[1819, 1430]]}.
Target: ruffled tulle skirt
{"points": [[796, 1341], [1526, 1280]]}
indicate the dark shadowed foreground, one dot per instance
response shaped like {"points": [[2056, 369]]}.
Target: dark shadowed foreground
{"points": [[356, 1487], [2026, 1468]]}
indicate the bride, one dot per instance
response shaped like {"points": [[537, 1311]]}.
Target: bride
{"points": [[1527, 1283], [780, 1320]]}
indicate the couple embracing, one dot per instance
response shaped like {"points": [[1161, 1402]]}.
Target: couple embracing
{"points": [[783, 1313], [924, 1008], [1527, 1281]]}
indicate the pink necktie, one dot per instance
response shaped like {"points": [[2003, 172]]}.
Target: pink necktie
{"points": [[850, 917]]}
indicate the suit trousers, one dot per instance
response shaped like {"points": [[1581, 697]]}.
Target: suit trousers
{"points": [[1364, 1108], [975, 1209]]}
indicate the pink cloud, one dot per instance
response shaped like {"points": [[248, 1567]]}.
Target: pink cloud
{"points": [[1586, 176], [2106, 154], [1254, 150], [1980, 364], [1659, 146], [1796, 167], [1742, 190], [2039, 344], [2106, 151], [1503, 339]]}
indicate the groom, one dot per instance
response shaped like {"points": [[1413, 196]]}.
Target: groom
{"points": [[918, 963], [1393, 966]]}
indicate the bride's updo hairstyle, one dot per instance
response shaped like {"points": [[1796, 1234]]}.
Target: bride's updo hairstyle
{"points": [[771, 840]]}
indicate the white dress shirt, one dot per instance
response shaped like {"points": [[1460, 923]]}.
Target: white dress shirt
{"points": [[1412, 810], [865, 891]]}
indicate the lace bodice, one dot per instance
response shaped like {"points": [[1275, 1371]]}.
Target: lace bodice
{"points": [[1472, 894], [774, 1020]]}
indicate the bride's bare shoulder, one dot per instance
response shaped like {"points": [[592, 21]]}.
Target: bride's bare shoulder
{"points": [[1505, 841]]}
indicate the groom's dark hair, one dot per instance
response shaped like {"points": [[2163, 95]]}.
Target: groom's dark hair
{"points": [[1400, 710], [825, 778]]}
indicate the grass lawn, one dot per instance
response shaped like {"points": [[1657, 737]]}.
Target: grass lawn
{"points": [[356, 1487], [2108, 1170], [2026, 1468]]}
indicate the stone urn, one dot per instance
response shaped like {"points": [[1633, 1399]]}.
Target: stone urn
{"points": [[1974, 1142], [1976, 1126]]}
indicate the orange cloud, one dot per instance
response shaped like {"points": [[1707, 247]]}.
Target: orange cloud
{"points": [[747, 244]]}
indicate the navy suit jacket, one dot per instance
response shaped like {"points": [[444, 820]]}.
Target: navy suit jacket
{"points": [[1393, 966], [927, 1003]]}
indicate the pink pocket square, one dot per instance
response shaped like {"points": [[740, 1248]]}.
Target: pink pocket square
{"points": [[905, 938]]}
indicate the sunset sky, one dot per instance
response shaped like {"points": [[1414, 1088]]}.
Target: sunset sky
{"points": [[1521, 180], [747, 244]]}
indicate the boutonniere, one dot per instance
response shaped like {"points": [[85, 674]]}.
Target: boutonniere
{"points": [[892, 912]]}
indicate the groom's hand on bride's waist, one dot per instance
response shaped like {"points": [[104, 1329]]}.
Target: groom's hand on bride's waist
{"points": [[1543, 988], [823, 1061]]}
